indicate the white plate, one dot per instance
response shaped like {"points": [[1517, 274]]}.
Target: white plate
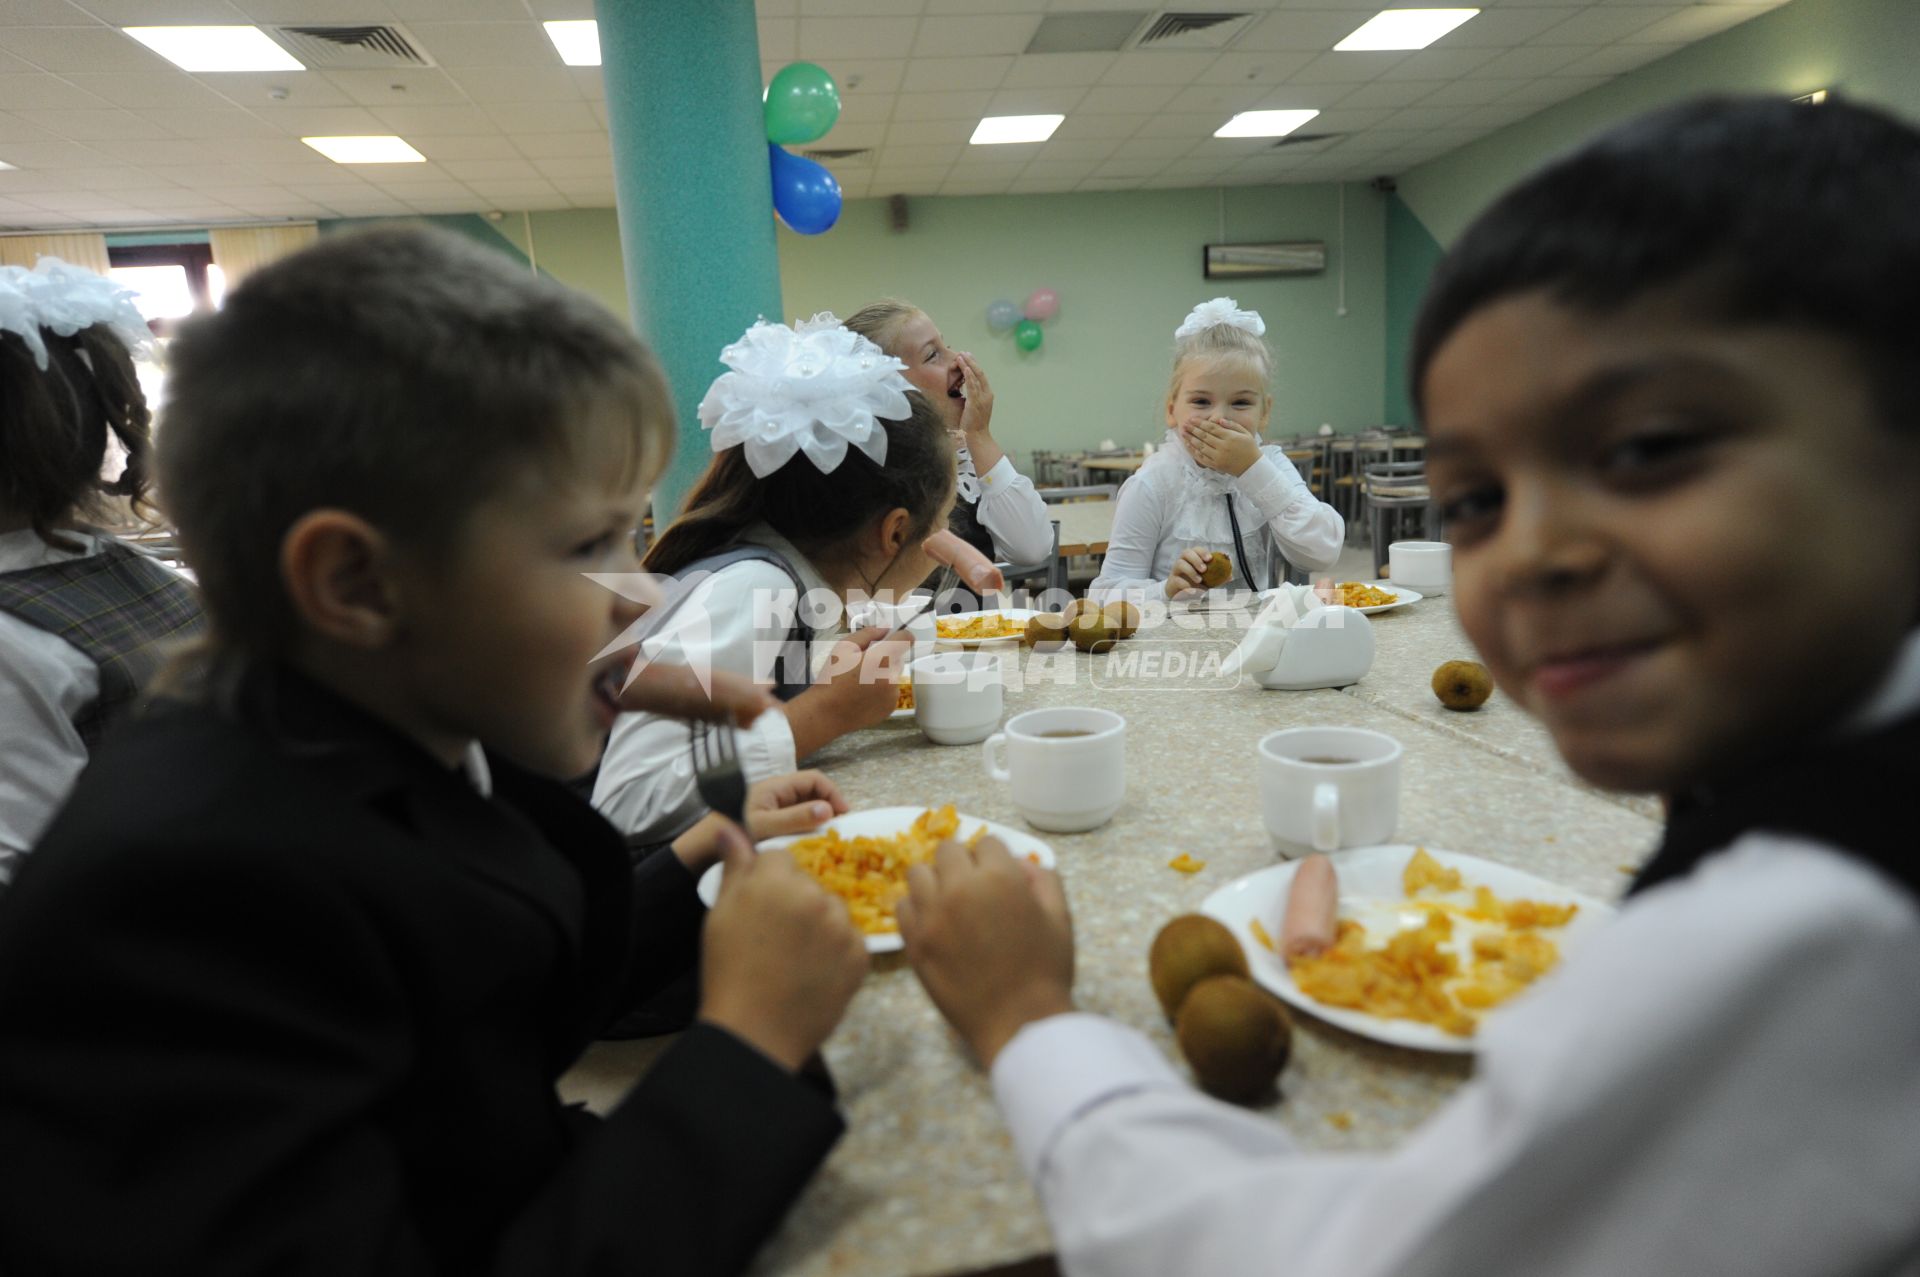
{"points": [[1020, 614], [1406, 597], [1370, 880], [892, 820]]}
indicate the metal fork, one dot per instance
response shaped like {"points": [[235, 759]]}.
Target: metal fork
{"points": [[941, 584], [716, 771]]}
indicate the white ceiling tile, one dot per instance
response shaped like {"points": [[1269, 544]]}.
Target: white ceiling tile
{"points": [[1545, 92], [285, 172], [241, 196], [1158, 67], [555, 145], [275, 90], [1348, 119], [52, 155], [326, 192], [575, 166], [1603, 24], [117, 179], [1056, 70], [1109, 100], [412, 11], [600, 112], [43, 92], [80, 49], [1438, 64], [1533, 60], [471, 171], [864, 8], [846, 135], [86, 125], [133, 13], [1269, 67], [1424, 117], [47, 13], [566, 10], [1618, 59], [1494, 117], [10, 65], [921, 155], [1089, 149], [1188, 126], [779, 38], [486, 44], [429, 121], [936, 75], [1222, 100], [15, 129], [78, 202], [197, 123], [27, 182], [469, 203], [1305, 97], [935, 132], [147, 89], [517, 194], [1696, 23], [868, 77], [993, 159], [202, 175], [941, 106], [1476, 91], [1036, 101], [949, 37], [1033, 186], [1346, 68], [544, 117], [269, 150], [588, 81], [1065, 172], [397, 175], [163, 197], [488, 146], [1293, 29], [421, 87], [824, 39], [586, 194], [304, 11], [909, 181], [1100, 126], [776, 8], [1384, 93], [1159, 150], [326, 121], [1502, 28]]}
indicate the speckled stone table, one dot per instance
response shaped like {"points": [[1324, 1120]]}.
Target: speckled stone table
{"points": [[926, 1180]]}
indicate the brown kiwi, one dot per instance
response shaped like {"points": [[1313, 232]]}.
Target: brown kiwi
{"points": [[1235, 1036], [1462, 684], [1124, 617], [1219, 571], [1046, 627], [1188, 950]]}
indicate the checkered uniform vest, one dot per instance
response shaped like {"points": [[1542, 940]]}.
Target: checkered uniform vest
{"points": [[121, 609]]}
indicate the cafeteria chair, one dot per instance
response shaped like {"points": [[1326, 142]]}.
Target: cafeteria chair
{"points": [[1053, 568], [1079, 492], [1393, 490]]}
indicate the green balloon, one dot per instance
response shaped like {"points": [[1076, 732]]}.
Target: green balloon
{"points": [[801, 104], [1026, 334]]}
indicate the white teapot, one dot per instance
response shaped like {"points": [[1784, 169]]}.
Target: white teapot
{"points": [[1298, 642]]}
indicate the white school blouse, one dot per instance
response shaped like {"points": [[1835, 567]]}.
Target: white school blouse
{"points": [[1009, 509], [645, 786], [1725, 1081], [45, 682], [1173, 504]]}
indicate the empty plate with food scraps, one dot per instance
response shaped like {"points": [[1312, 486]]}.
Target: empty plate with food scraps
{"points": [[1001, 627], [863, 858], [1425, 943]]}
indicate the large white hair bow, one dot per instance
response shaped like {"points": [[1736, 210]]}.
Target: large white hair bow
{"points": [[814, 388], [64, 299], [1221, 310]]}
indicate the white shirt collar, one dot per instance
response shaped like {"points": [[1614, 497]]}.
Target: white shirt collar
{"points": [[1898, 693]]}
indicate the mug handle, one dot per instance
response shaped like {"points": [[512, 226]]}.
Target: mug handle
{"points": [[1326, 816], [996, 766]]}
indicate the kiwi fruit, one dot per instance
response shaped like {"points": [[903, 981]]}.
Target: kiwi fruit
{"points": [[1089, 627], [1124, 617], [1462, 684], [1235, 1036], [1219, 571], [1045, 627], [1188, 950]]}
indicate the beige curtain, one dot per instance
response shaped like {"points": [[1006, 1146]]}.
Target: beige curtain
{"points": [[240, 250], [82, 248]]}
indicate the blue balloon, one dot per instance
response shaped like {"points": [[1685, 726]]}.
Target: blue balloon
{"points": [[805, 194], [1002, 315]]}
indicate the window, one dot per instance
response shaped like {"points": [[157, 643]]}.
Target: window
{"points": [[171, 280]]}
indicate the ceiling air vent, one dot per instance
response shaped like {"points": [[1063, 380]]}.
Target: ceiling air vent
{"points": [[843, 153], [1192, 30], [331, 48]]}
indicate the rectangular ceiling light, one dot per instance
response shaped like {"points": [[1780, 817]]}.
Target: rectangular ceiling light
{"points": [[385, 149], [578, 41], [997, 129], [1403, 29], [5, 165], [216, 48], [1264, 123]]}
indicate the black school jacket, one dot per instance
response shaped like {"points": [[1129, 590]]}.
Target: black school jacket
{"points": [[273, 1007]]}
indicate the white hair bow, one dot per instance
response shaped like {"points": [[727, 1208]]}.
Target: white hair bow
{"points": [[1221, 310], [816, 388], [64, 299]]}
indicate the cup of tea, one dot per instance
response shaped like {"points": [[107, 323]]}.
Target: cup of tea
{"points": [[1328, 788], [1066, 767], [1424, 566], [958, 697]]}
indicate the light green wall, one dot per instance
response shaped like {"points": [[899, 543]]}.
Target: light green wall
{"points": [[1865, 48], [1412, 252], [1127, 268]]}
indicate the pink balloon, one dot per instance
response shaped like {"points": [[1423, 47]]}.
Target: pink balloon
{"points": [[1042, 304]]}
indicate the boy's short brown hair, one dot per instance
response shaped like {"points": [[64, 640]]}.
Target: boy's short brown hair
{"points": [[402, 374]]}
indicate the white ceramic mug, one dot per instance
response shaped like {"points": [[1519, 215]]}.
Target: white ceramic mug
{"points": [[958, 697], [1067, 767], [1328, 788], [1425, 566]]}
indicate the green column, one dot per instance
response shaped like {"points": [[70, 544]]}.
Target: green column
{"points": [[695, 199]]}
